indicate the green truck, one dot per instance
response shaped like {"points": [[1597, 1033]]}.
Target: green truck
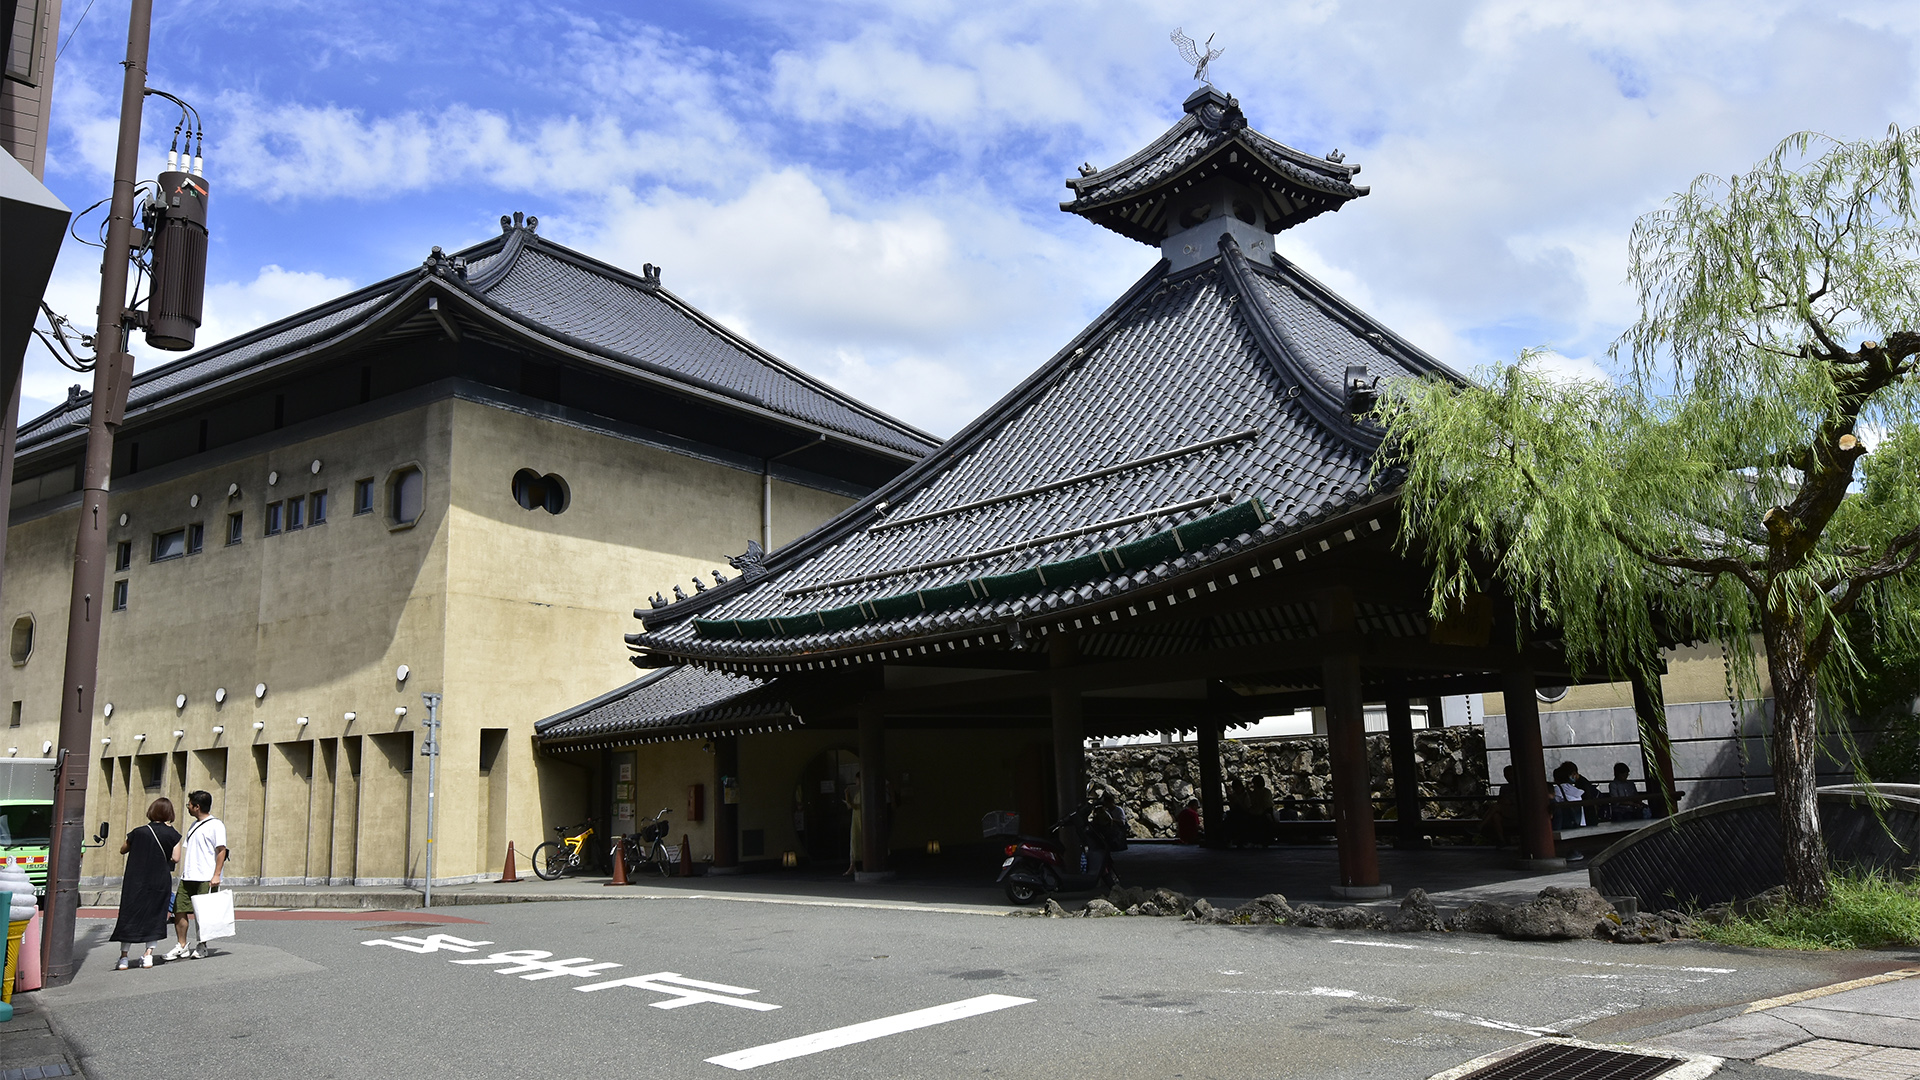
{"points": [[26, 814]]}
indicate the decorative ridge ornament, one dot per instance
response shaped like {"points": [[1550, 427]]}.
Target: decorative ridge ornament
{"points": [[1197, 55], [749, 563], [440, 264]]}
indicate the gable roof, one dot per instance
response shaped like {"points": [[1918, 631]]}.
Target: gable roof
{"points": [[1133, 196], [526, 289], [1204, 414]]}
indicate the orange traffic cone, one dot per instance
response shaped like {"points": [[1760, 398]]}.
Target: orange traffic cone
{"points": [[619, 865], [686, 857], [508, 875]]}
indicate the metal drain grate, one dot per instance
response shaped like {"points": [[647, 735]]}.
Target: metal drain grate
{"points": [[1556, 1061]]}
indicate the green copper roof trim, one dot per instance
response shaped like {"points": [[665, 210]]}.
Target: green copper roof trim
{"points": [[1139, 555]]}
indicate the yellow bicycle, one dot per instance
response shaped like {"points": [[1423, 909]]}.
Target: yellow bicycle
{"points": [[556, 857]]}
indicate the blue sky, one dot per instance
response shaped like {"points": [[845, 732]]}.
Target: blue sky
{"points": [[870, 190]]}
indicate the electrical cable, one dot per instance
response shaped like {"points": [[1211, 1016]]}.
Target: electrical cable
{"points": [[76, 29]]}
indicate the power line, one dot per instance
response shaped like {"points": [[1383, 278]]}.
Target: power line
{"points": [[76, 29]]}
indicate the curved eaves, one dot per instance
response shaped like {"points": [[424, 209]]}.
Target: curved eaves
{"points": [[1325, 404]]}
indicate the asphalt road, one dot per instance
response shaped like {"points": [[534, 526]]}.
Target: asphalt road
{"points": [[1120, 997]]}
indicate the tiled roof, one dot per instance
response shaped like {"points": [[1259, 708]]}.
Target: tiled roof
{"points": [[1218, 388], [1130, 196], [549, 290], [670, 702]]}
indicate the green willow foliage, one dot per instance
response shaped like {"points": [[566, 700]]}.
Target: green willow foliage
{"points": [[1726, 488]]}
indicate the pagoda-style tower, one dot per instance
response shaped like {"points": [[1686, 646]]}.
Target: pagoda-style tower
{"points": [[1211, 174]]}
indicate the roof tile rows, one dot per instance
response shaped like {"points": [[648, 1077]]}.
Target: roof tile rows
{"points": [[667, 698], [1180, 365]]}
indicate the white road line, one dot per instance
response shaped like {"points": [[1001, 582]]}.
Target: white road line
{"points": [[1528, 956], [1376, 999], [757, 1056]]}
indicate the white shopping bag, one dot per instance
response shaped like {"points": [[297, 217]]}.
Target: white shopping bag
{"points": [[214, 912]]}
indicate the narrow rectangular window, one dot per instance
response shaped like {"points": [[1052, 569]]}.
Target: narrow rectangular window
{"points": [[363, 496], [317, 508], [296, 513], [120, 595], [133, 458], [273, 519], [233, 528], [169, 545], [123, 558], [14, 720], [196, 538]]}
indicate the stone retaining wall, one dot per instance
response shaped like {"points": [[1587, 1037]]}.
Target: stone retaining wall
{"points": [[1154, 780]]}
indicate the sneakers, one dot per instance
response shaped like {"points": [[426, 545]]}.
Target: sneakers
{"points": [[146, 961], [123, 964], [199, 951], [178, 952]]}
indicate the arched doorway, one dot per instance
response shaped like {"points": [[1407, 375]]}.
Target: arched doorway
{"points": [[820, 807]]}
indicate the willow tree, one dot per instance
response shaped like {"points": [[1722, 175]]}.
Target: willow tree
{"points": [[1754, 474]]}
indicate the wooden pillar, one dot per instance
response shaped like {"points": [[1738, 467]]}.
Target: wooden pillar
{"points": [[726, 815], [1406, 773], [1212, 807], [1529, 765], [1069, 733], [873, 795], [1347, 748], [1656, 751]]}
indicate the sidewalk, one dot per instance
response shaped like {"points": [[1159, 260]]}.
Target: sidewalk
{"points": [[29, 1046], [965, 882], [1866, 1029]]}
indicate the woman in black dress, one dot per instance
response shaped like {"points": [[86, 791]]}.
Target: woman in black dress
{"points": [[148, 884]]}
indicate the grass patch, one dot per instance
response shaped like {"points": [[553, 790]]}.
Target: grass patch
{"points": [[1865, 911]]}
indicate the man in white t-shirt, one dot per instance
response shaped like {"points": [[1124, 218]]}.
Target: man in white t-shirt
{"points": [[202, 854]]}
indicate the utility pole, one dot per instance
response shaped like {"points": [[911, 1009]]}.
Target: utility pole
{"points": [[87, 605], [431, 751]]}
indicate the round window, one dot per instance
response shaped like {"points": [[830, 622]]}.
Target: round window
{"points": [[536, 492], [1550, 694]]}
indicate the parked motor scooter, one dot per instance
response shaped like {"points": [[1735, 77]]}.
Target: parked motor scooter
{"points": [[1078, 855]]}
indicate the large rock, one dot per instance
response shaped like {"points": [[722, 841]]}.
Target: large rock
{"points": [[1417, 915], [1562, 914], [1156, 815], [1100, 909]]}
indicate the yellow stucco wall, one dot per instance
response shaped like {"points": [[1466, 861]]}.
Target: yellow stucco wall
{"points": [[511, 614], [1694, 673]]}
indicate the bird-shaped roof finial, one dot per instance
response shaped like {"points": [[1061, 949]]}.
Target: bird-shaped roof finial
{"points": [[1197, 55]]}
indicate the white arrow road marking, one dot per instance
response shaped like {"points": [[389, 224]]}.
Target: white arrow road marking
{"points": [[863, 1032]]}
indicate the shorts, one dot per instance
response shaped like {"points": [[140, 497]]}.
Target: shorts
{"points": [[183, 896]]}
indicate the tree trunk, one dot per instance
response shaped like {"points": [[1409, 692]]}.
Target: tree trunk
{"points": [[1795, 747]]}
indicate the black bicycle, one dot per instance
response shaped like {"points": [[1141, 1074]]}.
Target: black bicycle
{"points": [[646, 847]]}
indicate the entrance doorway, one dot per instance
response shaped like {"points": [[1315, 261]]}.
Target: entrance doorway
{"points": [[821, 814]]}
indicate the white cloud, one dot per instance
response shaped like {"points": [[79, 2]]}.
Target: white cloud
{"points": [[235, 307], [868, 189]]}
